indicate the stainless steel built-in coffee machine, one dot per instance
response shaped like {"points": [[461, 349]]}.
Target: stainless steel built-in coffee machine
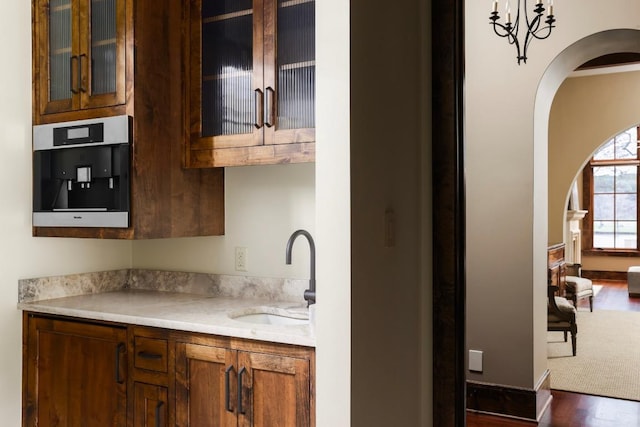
{"points": [[81, 173]]}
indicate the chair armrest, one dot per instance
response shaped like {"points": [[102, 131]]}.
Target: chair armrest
{"points": [[569, 316]]}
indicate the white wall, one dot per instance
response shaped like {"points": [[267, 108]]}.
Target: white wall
{"points": [[21, 255], [507, 185], [263, 206], [333, 195]]}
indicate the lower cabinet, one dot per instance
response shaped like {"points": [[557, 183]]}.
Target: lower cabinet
{"points": [[78, 373], [228, 387], [150, 405], [75, 374]]}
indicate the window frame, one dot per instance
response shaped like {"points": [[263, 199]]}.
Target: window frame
{"points": [[588, 201]]}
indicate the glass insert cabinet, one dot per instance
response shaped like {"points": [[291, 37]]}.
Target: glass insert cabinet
{"points": [[80, 58], [250, 82]]}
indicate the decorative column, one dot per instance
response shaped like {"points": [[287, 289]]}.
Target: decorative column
{"points": [[573, 237]]}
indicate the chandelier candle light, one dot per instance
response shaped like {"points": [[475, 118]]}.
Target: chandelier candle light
{"points": [[534, 27]]}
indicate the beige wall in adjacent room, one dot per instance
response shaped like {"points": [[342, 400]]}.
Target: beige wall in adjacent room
{"points": [[587, 112], [506, 177]]}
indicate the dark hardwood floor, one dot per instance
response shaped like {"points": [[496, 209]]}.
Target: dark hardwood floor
{"points": [[581, 410]]}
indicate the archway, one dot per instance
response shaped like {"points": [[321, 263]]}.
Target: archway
{"points": [[588, 48]]}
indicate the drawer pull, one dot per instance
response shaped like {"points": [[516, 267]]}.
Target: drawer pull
{"points": [[119, 351], [270, 108], [149, 356], [71, 73], [240, 374], [158, 415], [259, 106]]}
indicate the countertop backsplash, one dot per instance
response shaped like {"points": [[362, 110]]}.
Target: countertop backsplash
{"points": [[276, 289]]}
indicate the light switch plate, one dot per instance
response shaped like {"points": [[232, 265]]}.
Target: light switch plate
{"points": [[475, 360]]}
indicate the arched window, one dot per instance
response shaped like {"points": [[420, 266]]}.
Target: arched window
{"points": [[611, 181]]}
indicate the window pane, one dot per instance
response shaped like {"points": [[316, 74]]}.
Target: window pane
{"points": [[622, 146], [603, 179], [603, 236], [606, 152], [603, 207], [626, 179], [615, 193], [626, 144], [626, 235], [626, 207]]}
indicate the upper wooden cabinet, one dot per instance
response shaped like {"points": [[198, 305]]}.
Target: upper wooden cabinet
{"points": [[102, 58], [250, 88], [79, 54]]}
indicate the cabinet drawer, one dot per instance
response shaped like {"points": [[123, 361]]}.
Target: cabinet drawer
{"points": [[151, 354]]}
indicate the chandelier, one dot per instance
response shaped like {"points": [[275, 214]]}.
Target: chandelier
{"points": [[534, 27]]}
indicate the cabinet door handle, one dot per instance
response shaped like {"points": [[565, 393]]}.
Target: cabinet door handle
{"points": [[158, 407], [119, 351], [227, 392], [71, 73], [270, 108], [80, 73], [259, 105], [150, 356], [240, 374]]}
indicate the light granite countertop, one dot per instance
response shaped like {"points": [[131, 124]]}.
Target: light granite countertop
{"points": [[194, 312]]}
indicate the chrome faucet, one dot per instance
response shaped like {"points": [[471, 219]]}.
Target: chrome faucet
{"points": [[309, 294]]}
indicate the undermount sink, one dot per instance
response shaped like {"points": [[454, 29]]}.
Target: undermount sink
{"points": [[270, 316]]}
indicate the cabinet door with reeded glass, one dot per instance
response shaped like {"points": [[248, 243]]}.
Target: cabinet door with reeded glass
{"points": [[251, 82], [101, 60], [226, 90], [289, 71], [56, 54], [79, 54]]}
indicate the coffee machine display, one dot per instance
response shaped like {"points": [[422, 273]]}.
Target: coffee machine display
{"points": [[81, 173]]}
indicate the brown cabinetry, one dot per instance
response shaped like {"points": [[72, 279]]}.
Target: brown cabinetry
{"points": [[94, 374], [151, 360], [100, 58], [242, 384], [556, 267], [75, 374], [79, 53], [150, 405], [251, 86]]}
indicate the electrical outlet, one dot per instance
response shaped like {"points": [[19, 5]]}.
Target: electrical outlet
{"points": [[241, 259]]}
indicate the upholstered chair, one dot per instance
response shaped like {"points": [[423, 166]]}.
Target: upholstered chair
{"points": [[561, 316], [578, 287]]}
